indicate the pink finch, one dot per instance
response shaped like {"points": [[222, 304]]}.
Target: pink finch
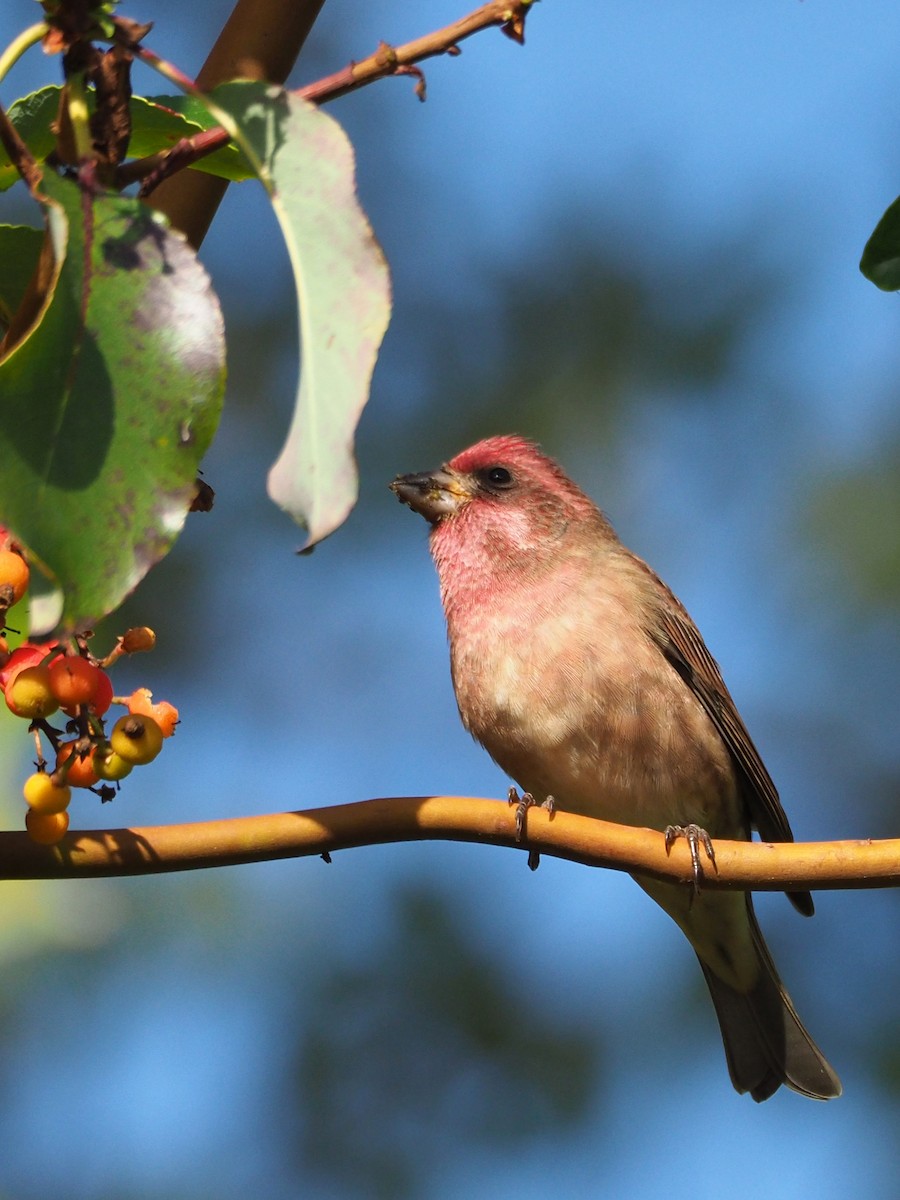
{"points": [[585, 680]]}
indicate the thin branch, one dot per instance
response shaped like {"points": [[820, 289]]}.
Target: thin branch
{"points": [[164, 170], [19, 154], [321, 831], [397, 60]]}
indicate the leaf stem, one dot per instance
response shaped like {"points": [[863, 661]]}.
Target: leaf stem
{"points": [[17, 47], [79, 116]]}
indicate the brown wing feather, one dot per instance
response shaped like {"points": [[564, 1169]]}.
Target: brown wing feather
{"points": [[681, 643]]}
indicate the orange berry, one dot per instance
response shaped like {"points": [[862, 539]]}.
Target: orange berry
{"points": [[81, 771], [136, 738], [29, 693], [137, 640], [74, 681], [46, 828], [45, 796], [163, 713], [14, 571]]}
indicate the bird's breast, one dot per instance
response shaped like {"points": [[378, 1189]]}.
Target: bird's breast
{"points": [[572, 698]]}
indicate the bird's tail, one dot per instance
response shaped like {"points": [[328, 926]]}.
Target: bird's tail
{"points": [[766, 1043]]}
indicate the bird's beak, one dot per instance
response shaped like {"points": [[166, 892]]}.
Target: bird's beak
{"points": [[433, 494]]}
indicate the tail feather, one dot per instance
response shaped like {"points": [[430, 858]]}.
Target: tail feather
{"points": [[766, 1044]]}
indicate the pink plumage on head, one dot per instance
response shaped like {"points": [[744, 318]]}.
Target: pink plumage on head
{"points": [[505, 448], [539, 474]]}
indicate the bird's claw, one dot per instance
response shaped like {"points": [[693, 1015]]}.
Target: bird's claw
{"points": [[523, 803], [695, 836]]}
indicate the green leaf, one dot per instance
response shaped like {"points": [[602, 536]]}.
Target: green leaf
{"points": [[306, 163], [20, 246], [109, 403], [157, 123], [31, 116], [880, 260]]}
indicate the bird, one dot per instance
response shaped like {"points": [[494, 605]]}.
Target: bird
{"points": [[588, 683]]}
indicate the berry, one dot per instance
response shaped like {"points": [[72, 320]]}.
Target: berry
{"points": [[109, 765], [81, 771], [25, 656], [136, 738], [44, 796], [163, 713], [137, 640], [14, 571], [74, 681], [29, 693], [46, 828]]}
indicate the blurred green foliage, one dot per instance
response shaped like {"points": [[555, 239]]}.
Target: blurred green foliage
{"points": [[854, 514]]}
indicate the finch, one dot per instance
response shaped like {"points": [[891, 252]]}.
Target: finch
{"points": [[586, 681]]}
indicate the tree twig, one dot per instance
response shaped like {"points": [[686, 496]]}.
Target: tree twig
{"points": [[394, 60], [741, 865], [386, 61]]}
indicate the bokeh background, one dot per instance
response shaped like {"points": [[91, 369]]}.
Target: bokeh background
{"points": [[636, 239]]}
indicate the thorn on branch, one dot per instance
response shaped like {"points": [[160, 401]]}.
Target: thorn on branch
{"points": [[514, 27], [419, 75]]}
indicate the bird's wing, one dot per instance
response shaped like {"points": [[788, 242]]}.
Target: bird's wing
{"points": [[682, 645]]}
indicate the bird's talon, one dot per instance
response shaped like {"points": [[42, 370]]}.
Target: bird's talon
{"points": [[695, 836], [522, 803]]}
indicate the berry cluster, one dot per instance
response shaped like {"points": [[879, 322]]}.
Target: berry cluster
{"points": [[39, 680]]}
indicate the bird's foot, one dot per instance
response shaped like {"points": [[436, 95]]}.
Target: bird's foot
{"points": [[523, 803], [695, 836]]}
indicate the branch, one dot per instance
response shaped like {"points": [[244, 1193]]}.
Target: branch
{"points": [[321, 831], [397, 60], [190, 199]]}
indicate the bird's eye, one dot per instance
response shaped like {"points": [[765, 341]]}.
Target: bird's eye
{"points": [[497, 478]]}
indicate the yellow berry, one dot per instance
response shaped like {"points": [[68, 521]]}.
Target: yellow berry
{"points": [[136, 738], [44, 796], [110, 766], [30, 695]]}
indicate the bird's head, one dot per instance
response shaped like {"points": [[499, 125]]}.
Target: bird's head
{"points": [[500, 506], [492, 480]]}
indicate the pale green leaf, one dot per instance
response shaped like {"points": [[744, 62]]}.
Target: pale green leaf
{"points": [[343, 286]]}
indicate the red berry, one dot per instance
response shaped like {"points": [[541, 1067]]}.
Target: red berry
{"points": [[74, 680], [81, 771]]}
